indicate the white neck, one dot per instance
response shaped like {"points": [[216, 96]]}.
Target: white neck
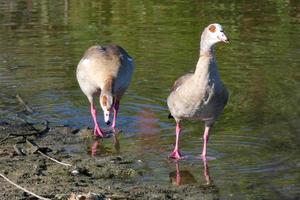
{"points": [[206, 48], [206, 58], [203, 64]]}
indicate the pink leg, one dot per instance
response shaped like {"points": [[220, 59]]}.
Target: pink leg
{"points": [[176, 153], [97, 130], [178, 177], [94, 148], [206, 171], [116, 109], [205, 140]]}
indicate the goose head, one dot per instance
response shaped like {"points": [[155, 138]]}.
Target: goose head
{"points": [[211, 35], [106, 102]]}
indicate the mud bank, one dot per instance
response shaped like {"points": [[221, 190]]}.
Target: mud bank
{"points": [[94, 167]]}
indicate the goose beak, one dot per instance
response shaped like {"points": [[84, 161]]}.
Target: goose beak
{"points": [[106, 117], [226, 41], [223, 38]]}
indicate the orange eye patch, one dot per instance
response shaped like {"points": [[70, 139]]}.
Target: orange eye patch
{"points": [[212, 28], [104, 100]]}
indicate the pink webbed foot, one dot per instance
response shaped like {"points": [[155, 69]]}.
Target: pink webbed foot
{"points": [[113, 126], [176, 155], [114, 129], [98, 132]]}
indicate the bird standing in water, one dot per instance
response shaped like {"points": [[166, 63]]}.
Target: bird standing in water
{"points": [[105, 72], [200, 95]]}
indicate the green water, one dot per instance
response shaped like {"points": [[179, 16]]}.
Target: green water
{"points": [[255, 143]]}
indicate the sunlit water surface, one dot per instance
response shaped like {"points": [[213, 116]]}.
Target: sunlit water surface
{"points": [[254, 147]]}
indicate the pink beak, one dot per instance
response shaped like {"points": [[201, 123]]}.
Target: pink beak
{"points": [[223, 38]]}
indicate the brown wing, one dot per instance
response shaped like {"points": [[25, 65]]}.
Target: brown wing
{"points": [[181, 80], [110, 53]]}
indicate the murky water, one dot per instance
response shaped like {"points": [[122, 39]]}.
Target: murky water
{"points": [[255, 144]]}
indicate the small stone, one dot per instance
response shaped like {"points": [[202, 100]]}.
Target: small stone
{"points": [[74, 172]]}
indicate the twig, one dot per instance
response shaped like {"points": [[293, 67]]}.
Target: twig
{"points": [[22, 135], [6, 137], [62, 163], [37, 196], [28, 108], [19, 151], [36, 148]]}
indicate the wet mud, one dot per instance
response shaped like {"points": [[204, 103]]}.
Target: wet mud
{"points": [[90, 168]]}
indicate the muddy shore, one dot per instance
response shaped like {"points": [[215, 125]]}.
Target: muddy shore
{"points": [[99, 169]]}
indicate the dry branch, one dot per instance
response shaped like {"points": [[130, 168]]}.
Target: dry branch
{"points": [[36, 148], [27, 107], [59, 162], [6, 137], [37, 196]]}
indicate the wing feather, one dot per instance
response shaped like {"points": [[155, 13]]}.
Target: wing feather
{"points": [[180, 81]]}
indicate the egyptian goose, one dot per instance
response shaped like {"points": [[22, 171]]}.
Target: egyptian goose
{"points": [[105, 72], [200, 95]]}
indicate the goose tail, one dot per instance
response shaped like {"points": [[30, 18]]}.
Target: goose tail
{"points": [[170, 116]]}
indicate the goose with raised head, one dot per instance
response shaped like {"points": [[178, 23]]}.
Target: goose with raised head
{"points": [[200, 95], [105, 72]]}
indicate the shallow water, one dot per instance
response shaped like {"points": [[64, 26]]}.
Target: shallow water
{"points": [[254, 147]]}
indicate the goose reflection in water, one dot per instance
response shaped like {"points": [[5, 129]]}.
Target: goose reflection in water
{"points": [[183, 177], [98, 147]]}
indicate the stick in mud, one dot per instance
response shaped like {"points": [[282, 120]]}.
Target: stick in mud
{"points": [[36, 148], [27, 107], [6, 137], [29, 192], [59, 162]]}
